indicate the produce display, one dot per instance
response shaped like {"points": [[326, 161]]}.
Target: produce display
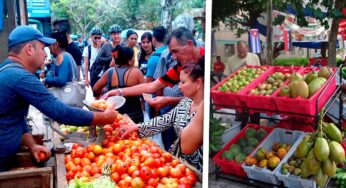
{"points": [[100, 104], [244, 145], [241, 79], [306, 86], [128, 162], [269, 159], [317, 155], [71, 128], [271, 84]]}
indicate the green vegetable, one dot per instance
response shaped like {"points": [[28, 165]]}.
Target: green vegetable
{"points": [[78, 184], [105, 181]]}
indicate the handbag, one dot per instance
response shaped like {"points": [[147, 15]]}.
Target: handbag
{"points": [[74, 92]]}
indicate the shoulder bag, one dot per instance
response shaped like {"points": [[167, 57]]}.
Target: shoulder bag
{"points": [[74, 92]]}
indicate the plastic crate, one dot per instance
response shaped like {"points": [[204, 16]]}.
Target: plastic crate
{"points": [[222, 99], [231, 132], [231, 167], [264, 102], [306, 106], [292, 180], [277, 135]]}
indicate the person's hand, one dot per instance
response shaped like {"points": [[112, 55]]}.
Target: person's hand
{"points": [[157, 102], [42, 74], [115, 92], [87, 82], [127, 129], [36, 149], [110, 112]]}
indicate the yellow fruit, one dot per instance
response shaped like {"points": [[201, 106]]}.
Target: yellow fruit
{"points": [[273, 162], [269, 155], [281, 153], [263, 163]]}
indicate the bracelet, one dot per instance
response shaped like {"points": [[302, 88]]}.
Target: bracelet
{"points": [[121, 92]]}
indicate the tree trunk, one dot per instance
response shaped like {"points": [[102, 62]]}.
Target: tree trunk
{"points": [[334, 34], [167, 7], [269, 38]]}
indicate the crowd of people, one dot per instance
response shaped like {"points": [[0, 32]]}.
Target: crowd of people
{"points": [[167, 66]]}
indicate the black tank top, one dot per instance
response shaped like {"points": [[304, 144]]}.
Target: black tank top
{"points": [[132, 106]]}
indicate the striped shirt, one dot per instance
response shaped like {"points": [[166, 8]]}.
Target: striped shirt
{"points": [[179, 117]]}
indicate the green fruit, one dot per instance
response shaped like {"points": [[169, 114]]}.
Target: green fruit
{"points": [[240, 158], [261, 133], [297, 172], [337, 153], [329, 167], [261, 154], [315, 85], [333, 132], [242, 142], [321, 149], [284, 91], [314, 165], [311, 76], [302, 149], [305, 172], [229, 155], [252, 142], [250, 133], [299, 88], [296, 77], [321, 178], [247, 150], [235, 148]]}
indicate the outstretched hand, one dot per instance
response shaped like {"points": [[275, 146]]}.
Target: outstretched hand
{"points": [[127, 129], [110, 93]]}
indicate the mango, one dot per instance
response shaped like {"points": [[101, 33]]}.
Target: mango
{"points": [[311, 76], [324, 72], [299, 88], [302, 149], [273, 162], [333, 132], [305, 172], [321, 178], [315, 85], [314, 165], [321, 149], [337, 153], [329, 167]]}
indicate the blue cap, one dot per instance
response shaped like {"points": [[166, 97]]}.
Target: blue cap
{"points": [[26, 33]]}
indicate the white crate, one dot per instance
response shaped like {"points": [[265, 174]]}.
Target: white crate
{"points": [[277, 135]]}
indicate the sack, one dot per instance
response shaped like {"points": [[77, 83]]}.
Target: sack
{"points": [[74, 92]]}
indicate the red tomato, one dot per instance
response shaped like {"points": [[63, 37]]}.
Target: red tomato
{"points": [[42, 156], [158, 162], [77, 161], [184, 180], [80, 152], [90, 148], [163, 171], [192, 179], [87, 168], [75, 146], [182, 168], [137, 183], [184, 186], [150, 162], [123, 184], [132, 169], [117, 148], [122, 167], [145, 173], [175, 162], [167, 156], [70, 175], [107, 128], [69, 165], [175, 173], [153, 182], [85, 161], [91, 156], [105, 143], [115, 177], [135, 174], [68, 158]]}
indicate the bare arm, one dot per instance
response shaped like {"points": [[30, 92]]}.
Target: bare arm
{"points": [[191, 137], [29, 141], [162, 101], [101, 83]]}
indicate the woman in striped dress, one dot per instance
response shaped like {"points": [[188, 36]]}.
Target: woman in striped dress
{"points": [[186, 118]]}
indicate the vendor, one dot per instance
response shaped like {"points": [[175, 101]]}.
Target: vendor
{"points": [[19, 88], [186, 118]]}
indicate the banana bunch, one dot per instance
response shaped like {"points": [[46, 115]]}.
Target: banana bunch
{"points": [[340, 177], [321, 152], [215, 133]]}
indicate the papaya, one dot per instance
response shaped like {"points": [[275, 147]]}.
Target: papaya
{"points": [[302, 149], [299, 88], [329, 167], [337, 153], [321, 178], [333, 132], [324, 72], [321, 149], [315, 85]]}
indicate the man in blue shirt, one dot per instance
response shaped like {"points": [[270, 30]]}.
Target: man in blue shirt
{"points": [[19, 88]]}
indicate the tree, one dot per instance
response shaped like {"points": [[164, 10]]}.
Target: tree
{"points": [[243, 13]]}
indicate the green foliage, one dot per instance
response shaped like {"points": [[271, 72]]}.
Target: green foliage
{"points": [[291, 61]]}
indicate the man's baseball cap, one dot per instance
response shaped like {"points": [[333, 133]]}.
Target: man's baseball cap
{"points": [[26, 33]]}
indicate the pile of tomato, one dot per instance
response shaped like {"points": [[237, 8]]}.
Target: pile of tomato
{"points": [[112, 132], [135, 163]]}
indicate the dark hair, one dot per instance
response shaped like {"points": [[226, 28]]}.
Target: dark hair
{"points": [[61, 38], [182, 35], [116, 48], [62, 24], [160, 33], [218, 57], [195, 70], [130, 32], [149, 36], [124, 55]]}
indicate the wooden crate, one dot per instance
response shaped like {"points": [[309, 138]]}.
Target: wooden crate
{"points": [[26, 178]]}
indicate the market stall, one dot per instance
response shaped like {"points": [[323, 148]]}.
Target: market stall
{"points": [[291, 152]]}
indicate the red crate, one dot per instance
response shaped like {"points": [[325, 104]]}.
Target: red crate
{"points": [[231, 167], [296, 124], [221, 99], [264, 102], [306, 106]]}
